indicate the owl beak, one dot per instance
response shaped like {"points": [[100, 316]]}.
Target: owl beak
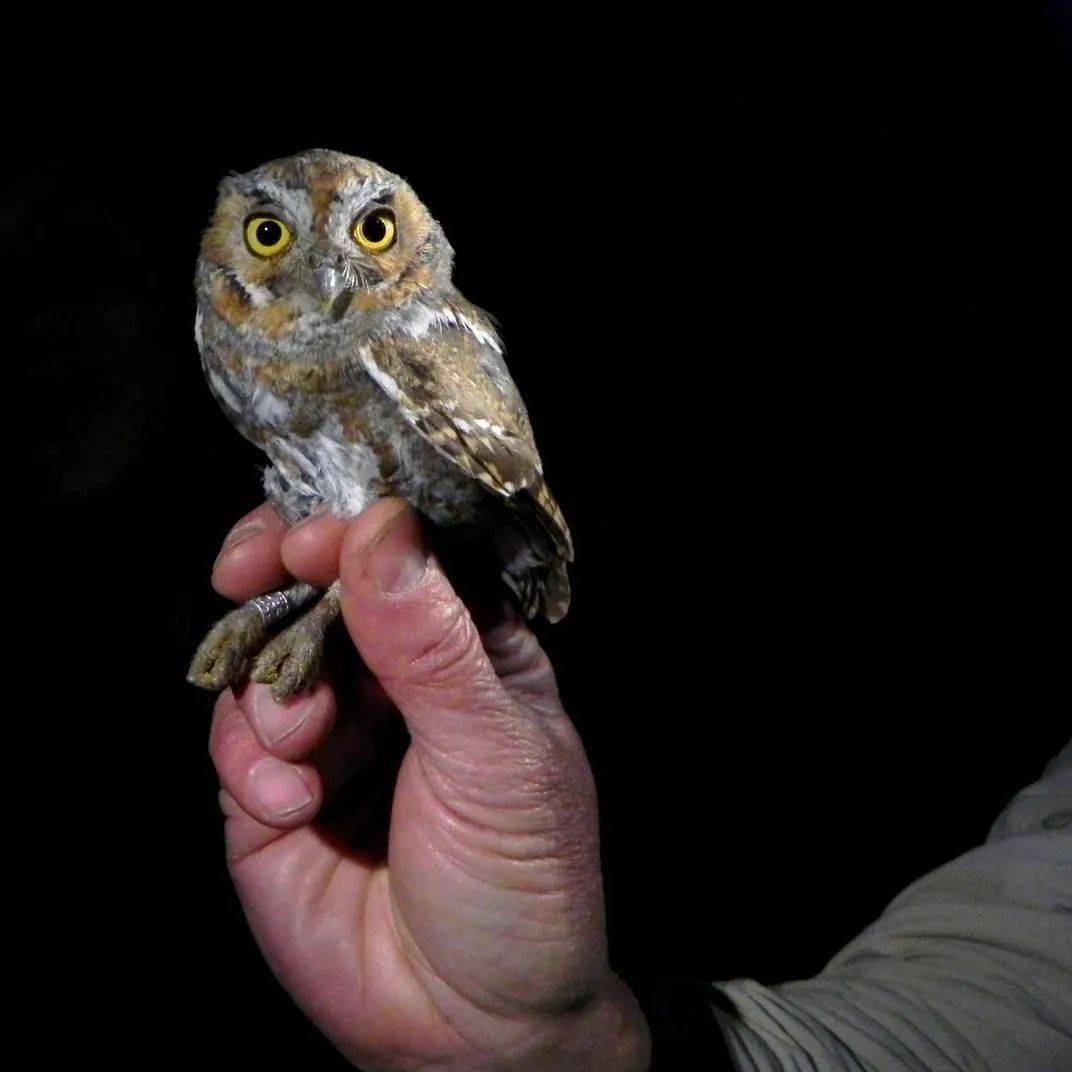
{"points": [[328, 283], [334, 292]]}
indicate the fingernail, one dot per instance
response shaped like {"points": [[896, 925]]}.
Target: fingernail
{"points": [[279, 788], [277, 721], [239, 534], [396, 566]]}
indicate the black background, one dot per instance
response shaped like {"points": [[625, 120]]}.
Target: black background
{"points": [[787, 295]]}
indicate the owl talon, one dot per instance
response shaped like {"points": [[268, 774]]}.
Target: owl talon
{"points": [[291, 662], [223, 657]]}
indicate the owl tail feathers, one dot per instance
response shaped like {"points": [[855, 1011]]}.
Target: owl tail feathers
{"points": [[535, 549], [542, 589], [556, 592]]}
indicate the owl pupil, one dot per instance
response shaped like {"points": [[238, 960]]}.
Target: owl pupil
{"points": [[269, 233], [374, 229]]}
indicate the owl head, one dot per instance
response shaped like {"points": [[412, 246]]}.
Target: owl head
{"points": [[320, 236]]}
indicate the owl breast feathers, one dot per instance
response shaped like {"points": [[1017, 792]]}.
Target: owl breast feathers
{"points": [[332, 336]]}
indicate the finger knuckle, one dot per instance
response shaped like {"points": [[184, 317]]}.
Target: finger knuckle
{"points": [[451, 651]]}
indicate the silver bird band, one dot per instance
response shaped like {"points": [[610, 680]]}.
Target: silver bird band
{"points": [[273, 607]]}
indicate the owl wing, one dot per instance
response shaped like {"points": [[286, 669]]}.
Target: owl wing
{"points": [[452, 385]]}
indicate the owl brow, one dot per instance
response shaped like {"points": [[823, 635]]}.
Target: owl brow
{"points": [[362, 199], [267, 197]]}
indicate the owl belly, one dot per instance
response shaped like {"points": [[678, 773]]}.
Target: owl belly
{"points": [[361, 450], [335, 439]]}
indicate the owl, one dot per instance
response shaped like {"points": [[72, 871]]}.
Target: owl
{"points": [[332, 336]]}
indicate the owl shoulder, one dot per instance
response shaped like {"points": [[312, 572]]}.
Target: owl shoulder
{"points": [[444, 367]]}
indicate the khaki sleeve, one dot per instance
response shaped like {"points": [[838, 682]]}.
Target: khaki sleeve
{"points": [[969, 969]]}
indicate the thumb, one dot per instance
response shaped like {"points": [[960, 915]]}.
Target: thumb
{"points": [[417, 637], [497, 819]]}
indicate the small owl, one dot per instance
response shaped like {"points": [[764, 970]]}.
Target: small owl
{"points": [[332, 336]]}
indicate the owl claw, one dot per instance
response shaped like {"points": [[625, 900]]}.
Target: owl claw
{"points": [[223, 657], [291, 662]]}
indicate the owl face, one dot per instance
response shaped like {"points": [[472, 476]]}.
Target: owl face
{"points": [[318, 237]]}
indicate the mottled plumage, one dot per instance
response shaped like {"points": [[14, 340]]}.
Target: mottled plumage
{"points": [[332, 336]]}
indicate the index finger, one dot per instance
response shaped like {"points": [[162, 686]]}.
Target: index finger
{"points": [[250, 562]]}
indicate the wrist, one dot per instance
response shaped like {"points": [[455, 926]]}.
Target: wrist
{"points": [[618, 1038], [609, 1034]]}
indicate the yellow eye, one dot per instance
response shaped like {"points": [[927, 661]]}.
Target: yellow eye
{"points": [[376, 231], [266, 236]]}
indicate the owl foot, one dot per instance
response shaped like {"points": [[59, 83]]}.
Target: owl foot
{"points": [[290, 663], [224, 656]]}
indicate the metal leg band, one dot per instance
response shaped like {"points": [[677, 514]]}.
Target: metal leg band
{"points": [[273, 607]]}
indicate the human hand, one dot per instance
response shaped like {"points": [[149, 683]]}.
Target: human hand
{"points": [[478, 942]]}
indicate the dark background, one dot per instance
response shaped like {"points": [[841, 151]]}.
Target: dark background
{"points": [[787, 295]]}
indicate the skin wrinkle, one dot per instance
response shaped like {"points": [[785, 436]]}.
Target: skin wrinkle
{"points": [[554, 1050], [421, 967], [464, 781], [510, 929], [455, 650], [504, 1005], [492, 1011], [454, 653], [404, 1045], [576, 853], [571, 861], [444, 746], [557, 853]]}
